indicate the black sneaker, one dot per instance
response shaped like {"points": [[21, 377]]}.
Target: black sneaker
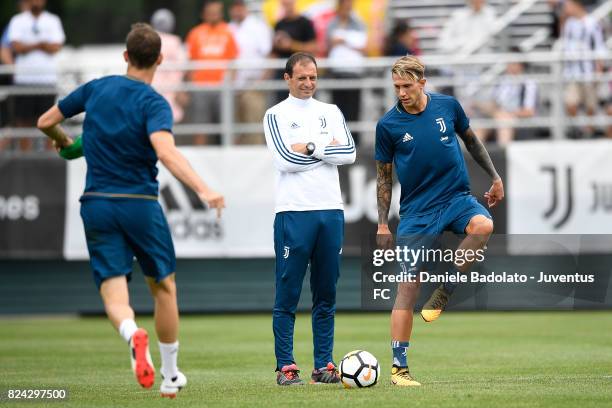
{"points": [[325, 375], [289, 375]]}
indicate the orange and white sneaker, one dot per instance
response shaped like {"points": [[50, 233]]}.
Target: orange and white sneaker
{"points": [[171, 386], [142, 365]]}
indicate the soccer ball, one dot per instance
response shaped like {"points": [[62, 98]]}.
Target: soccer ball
{"points": [[359, 369]]}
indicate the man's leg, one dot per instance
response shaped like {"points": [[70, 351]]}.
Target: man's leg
{"points": [[293, 237], [401, 330], [478, 230], [166, 326], [148, 235], [166, 309], [115, 296], [324, 273], [116, 299]]}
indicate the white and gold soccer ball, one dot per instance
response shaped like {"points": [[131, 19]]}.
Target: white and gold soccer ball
{"points": [[359, 369]]}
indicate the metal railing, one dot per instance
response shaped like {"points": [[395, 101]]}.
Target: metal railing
{"points": [[377, 93]]}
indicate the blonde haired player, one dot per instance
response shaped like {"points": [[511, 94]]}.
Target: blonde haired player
{"points": [[418, 136]]}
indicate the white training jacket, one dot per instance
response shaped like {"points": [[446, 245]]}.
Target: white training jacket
{"points": [[306, 183]]}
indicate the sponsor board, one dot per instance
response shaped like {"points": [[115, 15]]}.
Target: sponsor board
{"points": [[560, 188], [243, 174], [31, 207]]}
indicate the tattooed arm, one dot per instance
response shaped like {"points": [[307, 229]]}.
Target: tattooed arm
{"points": [[477, 150], [384, 186]]}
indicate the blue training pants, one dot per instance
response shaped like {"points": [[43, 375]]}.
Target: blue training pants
{"points": [[301, 237]]}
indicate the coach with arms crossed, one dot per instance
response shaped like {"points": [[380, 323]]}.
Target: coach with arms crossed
{"points": [[308, 139]]}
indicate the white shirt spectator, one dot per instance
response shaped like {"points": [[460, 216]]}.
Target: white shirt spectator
{"points": [[36, 67], [512, 96], [580, 36], [347, 57], [464, 26], [254, 39]]}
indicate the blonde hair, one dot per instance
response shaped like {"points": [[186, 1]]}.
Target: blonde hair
{"points": [[409, 67]]}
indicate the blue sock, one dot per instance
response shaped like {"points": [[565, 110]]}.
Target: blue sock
{"points": [[400, 353]]}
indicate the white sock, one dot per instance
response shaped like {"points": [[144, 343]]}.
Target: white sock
{"points": [[169, 357], [127, 329]]}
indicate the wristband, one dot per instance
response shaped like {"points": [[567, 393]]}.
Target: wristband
{"points": [[74, 151]]}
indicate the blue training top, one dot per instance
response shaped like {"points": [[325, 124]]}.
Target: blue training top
{"points": [[426, 153], [121, 114]]}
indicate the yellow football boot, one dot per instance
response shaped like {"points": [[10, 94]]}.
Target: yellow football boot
{"points": [[401, 377], [433, 308]]}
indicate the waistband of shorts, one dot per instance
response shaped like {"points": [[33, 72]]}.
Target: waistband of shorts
{"points": [[92, 194]]}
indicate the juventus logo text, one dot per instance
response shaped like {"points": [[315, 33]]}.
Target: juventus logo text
{"points": [[286, 252], [557, 186], [440, 122]]}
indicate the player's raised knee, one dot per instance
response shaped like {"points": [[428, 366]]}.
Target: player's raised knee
{"points": [[480, 225]]}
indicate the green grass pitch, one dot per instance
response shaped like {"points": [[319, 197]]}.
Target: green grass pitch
{"points": [[560, 359]]}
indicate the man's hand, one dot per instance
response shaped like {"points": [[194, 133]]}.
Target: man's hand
{"points": [[299, 148], [495, 193], [282, 41], [384, 239], [213, 200], [60, 144]]}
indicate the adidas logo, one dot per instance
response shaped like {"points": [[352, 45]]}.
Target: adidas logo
{"points": [[294, 125], [188, 217], [407, 138]]}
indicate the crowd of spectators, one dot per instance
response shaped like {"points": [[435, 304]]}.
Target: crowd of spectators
{"points": [[34, 36]]}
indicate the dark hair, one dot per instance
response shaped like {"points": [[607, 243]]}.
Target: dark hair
{"points": [[399, 29], [297, 58], [143, 45]]}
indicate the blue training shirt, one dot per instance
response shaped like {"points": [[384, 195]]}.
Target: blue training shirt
{"points": [[426, 153], [121, 114]]}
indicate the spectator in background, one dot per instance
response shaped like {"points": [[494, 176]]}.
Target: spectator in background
{"points": [[558, 17], [347, 39], [210, 41], [465, 25], [35, 36], [293, 33], [402, 41], [514, 98], [581, 34], [173, 53], [6, 52], [254, 39]]}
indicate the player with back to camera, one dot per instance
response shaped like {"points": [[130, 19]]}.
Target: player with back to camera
{"points": [[308, 140], [418, 136], [127, 128]]}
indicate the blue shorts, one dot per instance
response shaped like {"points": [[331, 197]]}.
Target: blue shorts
{"points": [[119, 229], [453, 216], [423, 231]]}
